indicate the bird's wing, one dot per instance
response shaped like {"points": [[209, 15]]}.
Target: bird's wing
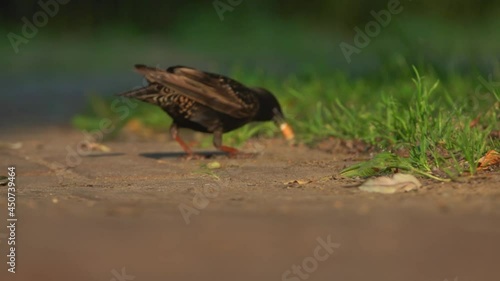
{"points": [[215, 91]]}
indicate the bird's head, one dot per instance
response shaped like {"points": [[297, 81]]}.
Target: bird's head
{"points": [[270, 110]]}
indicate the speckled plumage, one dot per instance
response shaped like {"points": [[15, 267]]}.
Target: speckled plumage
{"points": [[205, 102]]}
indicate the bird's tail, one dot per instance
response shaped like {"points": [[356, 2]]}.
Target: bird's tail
{"points": [[147, 92], [150, 93], [141, 92]]}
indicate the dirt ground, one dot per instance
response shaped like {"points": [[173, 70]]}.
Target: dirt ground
{"points": [[117, 216]]}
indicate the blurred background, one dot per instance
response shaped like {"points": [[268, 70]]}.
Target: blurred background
{"points": [[89, 47]]}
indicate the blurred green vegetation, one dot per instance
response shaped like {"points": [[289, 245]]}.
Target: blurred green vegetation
{"points": [[164, 15], [284, 36]]}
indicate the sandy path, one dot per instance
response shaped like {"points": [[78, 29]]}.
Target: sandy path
{"points": [[121, 210]]}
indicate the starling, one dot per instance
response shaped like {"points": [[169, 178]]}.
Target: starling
{"points": [[207, 102]]}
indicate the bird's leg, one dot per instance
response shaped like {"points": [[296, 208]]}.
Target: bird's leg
{"points": [[218, 144], [175, 135]]}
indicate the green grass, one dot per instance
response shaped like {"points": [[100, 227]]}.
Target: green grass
{"points": [[404, 111], [427, 120]]}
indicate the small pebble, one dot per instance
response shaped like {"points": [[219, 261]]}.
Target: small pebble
{"points": [[213, 165]]}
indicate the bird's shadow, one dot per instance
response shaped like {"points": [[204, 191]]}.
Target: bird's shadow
{"points": [[95, 155], [162, 155]]}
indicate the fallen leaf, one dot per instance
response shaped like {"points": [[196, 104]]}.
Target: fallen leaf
{"points": [[474, 122], [296, 183], [94, 146], [387, 185], [495, 134], [491, 158]]}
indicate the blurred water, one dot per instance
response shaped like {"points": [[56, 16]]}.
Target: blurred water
{"points": [[35, 101]]}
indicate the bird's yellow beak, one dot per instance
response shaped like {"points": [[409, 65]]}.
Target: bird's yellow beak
{"points": [[287, 131]]}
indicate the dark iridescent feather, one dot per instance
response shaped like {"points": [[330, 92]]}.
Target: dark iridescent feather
{"points": [[204, 101]]}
